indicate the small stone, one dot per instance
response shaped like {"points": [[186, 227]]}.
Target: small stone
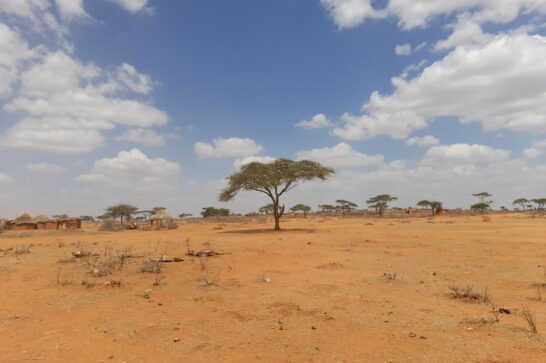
{"points": [[470, 329], [423, 337], [412, 335], [314, 327], [176, 340]]}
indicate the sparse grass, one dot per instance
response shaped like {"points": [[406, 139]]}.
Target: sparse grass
{"points": [[158, 280], [529, 318], [61, 280], [150, 267], [209, 276], [390, 276], [21, 250], [468, 294]]}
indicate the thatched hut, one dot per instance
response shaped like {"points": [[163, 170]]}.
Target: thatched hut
{"points": [[162, 219], [22, 223]]}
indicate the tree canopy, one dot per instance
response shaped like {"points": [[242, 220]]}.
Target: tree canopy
{"points": [[267, 209], [540, 202], [522, 202], [123, 211], [273, 179], [345, 206], [380, 202], [301, 208], [209, 212], [480, 207], [435, 206]]}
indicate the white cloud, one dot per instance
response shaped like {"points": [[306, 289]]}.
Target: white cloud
{"points": [[13, 51], [71, 9], [319, 121], [402, 49], [4, 178], [501, 84], [144, 137], [128, 76], [464, 154], [133, 6], [251, 159], [45, 168], [69, 103], [536, 150], [417, 13], [132, 169], [423, 141], [465, 32], [350, 13], [340, 156], [532, 152], [232, 147]]}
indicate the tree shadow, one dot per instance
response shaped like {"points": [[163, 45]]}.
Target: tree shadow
{"points": [[269, 230]]}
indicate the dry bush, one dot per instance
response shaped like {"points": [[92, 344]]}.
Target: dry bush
{"points": [[467, 293], [209, 276], [390, 276], [158, 279], [21, 250], [112, 226], [150, 267], [529, 318], [62, 281]]}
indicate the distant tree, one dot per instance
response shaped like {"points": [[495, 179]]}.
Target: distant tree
{"points": [[380, 203], [184, 215], [504, 209], [209, 212], [483, 196], [157, 209], [327, 208], [88, 219], [522, 202], [435, 206], [60, 216], [273, 179], [301, 208], [121, 211], [540, 202], [481, 207], [345, 206], [146, 213], [266, 209]]}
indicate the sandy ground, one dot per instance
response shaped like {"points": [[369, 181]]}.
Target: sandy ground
{"points": [[316, 292]]}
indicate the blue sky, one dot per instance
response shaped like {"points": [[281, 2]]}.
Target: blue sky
{"points": [[155, 102]]}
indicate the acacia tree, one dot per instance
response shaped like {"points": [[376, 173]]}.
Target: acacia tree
{"points": [[480, 207], [146, 213], [522, 202], [345, 206], [326, 208], [540, 202], [301, 208], [483, 196], [122, 211], [208, 212], [380, 202], [435, 206], [184, 215], [484, 204], [273, 179], [266, 209]]}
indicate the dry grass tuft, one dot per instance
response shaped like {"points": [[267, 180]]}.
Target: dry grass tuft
{"points": [[468, 294], [529, 318]]}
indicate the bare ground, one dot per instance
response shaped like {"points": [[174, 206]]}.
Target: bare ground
{"points": [[323, 290]]}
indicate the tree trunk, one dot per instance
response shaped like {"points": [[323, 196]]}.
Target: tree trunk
{"points": [[277, 222]]}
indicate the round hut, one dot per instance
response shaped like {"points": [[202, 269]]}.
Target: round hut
{"points": [[162, 219]]}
